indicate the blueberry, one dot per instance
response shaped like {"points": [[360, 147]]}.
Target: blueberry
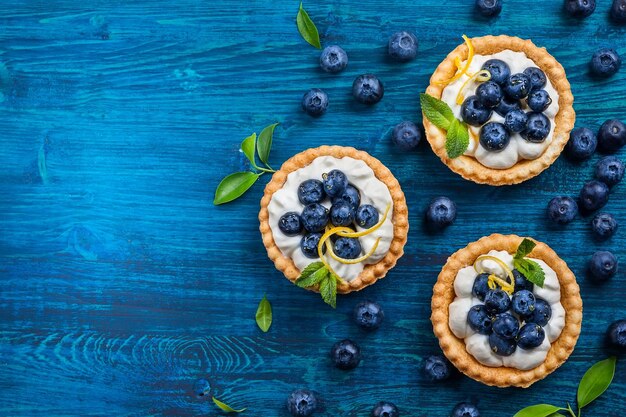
{"points": [[350, 196], [335, 183], [537, 128], [315, 102], [580, 8], [314, 217], [290, 223], [302, 403], [441, 213], [498, 69], [610, 170], [582, 144], [593, 196], [562, 210], [616, 334], [368, 315], [385, 409], [347, 247], [494, 137], [367, 216], [505, 326], [537, 78], [479, 319], [402, 46], [604, 226], [436, 368], [521, 283], [341, 214], [465, 410], [308, 245], [605, 62], [497, 301], [507, 105], [489, 8], [530, 336], [367, 89], [489, 94], [515, 120], [501, 346], [612, 136], [539, 100], [517, 86], [311, 191], [346, 354], [542, 313], [481, 286], [202, 387], [333, 59], [523, 303], [473, 113], [603, 266], [406, 135], [618, 11]]}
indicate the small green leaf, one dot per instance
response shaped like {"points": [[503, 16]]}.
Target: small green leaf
{"points": [[233, 186], [248, 146], [314, 278], [307, 28], [525, 248], [328, 290], [457, 139], [595, 381], [539, 410], [264, 315], [226, 408], [531, 270], [310, 268], [264, 143], [437, 111]]}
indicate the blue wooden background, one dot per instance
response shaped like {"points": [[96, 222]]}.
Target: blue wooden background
{"points": [[122, 284]]}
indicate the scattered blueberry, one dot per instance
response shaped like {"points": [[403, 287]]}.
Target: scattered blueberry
{"points": [[505, 326], [314, 217], [542, 313], [367, 89], [618, 11], [436, 368], [290, 223], [441, 213], [521, 283], [368, 315], [537, 78], [616, 334], [501, 346], [347, 247], [402, 46], [515, 120], [498, 69], [308, 245], [537, 127], [202, 387], [465, 410], [507, 105], [610, 170], [315, 102], [473, 113], [523, 303], [479, 319], [489, 94], [385, 409], [406, 135], [605, 62], [333, 59], [530, 336], [481, 286], [582, 144], [311, 191], [539, 100], [302, 403], [517, 86], [346, 354], [497, 301], [489, 8], [604, 226], [603, 266], [612, 136], [367, 216], [580, 8], [593, 196], [562, 210], [494, 137], [341, 214], [350, 196], [335, 182]]}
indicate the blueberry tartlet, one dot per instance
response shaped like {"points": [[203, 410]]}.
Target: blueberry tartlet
{"points": [[507, 311], [509, 110], [337, 214]]}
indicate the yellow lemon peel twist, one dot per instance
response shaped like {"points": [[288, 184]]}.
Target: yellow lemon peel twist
{"points": [[480, 76], [457, 61], [509, 287]]}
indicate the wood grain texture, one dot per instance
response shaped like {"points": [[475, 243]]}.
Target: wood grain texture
{"points": [[122, 284]]}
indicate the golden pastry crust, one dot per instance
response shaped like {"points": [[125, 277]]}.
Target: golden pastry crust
{"points": [[467, 166], [400, 216], [454, 348]]}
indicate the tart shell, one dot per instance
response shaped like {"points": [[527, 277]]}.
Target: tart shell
{"points": [[371, 273], [467, 166], [454, 348]]}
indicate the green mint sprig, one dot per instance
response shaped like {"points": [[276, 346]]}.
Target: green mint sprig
{"points": [[235, 185], [317, 273], [264, 315], [527, 267], [596, 380], [227, 408], [440, 114], [307, 28]]}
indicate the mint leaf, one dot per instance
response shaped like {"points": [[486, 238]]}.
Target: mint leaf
{"points": [[307, 28], [264, 315], [248, 146], [539, 410], [457, 139], [225, 407], [233, 186], [310, 268], [311, 277], [525, 248], [437, 111], [595, 381], [328, 290], [531, 270], [264, 143]]}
